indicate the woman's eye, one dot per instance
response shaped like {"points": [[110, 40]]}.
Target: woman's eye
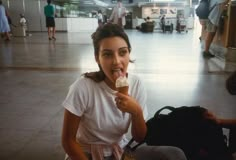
{"points": [[123, 52], [107, 54]]}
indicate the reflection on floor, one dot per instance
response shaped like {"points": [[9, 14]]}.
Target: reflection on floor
{"points": [[35, 76]]}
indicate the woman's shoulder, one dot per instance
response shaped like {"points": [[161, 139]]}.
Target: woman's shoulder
{"points": [[83, 82], [136, 87]]}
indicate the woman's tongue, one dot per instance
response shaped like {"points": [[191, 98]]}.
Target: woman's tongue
{"points": [[117, 74]]}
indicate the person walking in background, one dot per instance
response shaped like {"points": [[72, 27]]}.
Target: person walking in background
{"points": [[118, 14], [163, 21], [49, 13], [4, 26], [212, 24], [100, 18]]}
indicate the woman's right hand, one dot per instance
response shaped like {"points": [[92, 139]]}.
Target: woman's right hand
{"points": [[126, 103]]}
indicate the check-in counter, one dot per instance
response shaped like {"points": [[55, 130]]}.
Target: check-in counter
{"points": [[81, 24], [189, 22], [61, 24], [76, 24]]}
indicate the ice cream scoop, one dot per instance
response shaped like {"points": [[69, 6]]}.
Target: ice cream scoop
{"points": [[122, 85]]}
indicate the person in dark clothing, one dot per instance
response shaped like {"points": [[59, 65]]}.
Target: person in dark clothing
{"points": [[49, 12], [163, 19]]}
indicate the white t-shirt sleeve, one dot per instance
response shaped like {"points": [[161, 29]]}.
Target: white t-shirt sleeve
{"points": [[77, 97]]}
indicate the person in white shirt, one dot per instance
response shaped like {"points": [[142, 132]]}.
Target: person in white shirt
{"points": [[118, 14], [100, 18], [23, 22], [97, 117]]}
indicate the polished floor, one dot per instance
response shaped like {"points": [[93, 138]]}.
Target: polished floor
{"points": [[35, 75]]}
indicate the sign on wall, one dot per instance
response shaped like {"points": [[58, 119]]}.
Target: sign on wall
{"points": [[156, 12]]}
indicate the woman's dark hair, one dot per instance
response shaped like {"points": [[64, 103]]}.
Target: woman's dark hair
{"points": [[105, 31], [49, 1]]}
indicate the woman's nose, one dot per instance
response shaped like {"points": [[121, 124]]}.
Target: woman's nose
{"points": [[116, 59]]}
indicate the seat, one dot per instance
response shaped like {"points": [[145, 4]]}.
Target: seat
{"points": [[147, 27]]}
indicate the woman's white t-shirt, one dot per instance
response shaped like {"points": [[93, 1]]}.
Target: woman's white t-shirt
{"points": [[101, 121]]}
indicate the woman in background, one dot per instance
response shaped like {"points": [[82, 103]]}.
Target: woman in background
{"points": [[4, 26]]}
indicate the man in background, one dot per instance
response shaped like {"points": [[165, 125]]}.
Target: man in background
{"points": [[49, 13], [118, 14]]}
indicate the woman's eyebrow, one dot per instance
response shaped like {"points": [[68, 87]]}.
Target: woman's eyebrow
{"points": [[112, 50], [123, 48], [104, 50]]}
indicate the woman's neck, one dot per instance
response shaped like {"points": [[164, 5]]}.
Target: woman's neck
{"points": [[110, 83]]}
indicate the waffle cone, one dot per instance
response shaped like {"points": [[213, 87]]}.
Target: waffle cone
{"points": [[123, 90]]}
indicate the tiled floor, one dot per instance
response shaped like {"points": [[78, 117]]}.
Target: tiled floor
{"points": [[35, 75]]}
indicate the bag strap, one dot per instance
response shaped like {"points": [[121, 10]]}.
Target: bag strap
{"points": [[128, 146], [163, 108]]}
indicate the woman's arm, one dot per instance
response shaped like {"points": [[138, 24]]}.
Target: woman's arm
{"points": [[69, 130], [138, 128], [128, 104]]}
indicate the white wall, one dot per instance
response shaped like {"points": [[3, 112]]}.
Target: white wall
{"points": [[33, 15], [15, 8]]}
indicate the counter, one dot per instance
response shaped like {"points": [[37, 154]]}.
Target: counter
{"points": [[76, 24], [189, 22]]}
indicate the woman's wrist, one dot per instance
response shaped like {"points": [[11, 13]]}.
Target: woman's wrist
{"points": [[137, 111]]}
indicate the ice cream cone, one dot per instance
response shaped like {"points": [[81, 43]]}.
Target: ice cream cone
{"points": [[123, 90], [122, 85]]}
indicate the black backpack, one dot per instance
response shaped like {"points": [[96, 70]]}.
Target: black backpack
{"points": [[186, 128], [202, 11]]}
